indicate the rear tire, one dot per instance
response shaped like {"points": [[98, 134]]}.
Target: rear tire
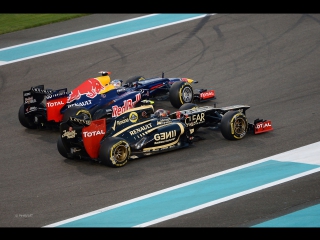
{"points": [[25, 121], [180, 93], [75, 111], [234, 125], [61, 149], [114, 152]]}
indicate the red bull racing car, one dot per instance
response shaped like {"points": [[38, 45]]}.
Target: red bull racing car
{"points": [[141, 132], [100, 97]]}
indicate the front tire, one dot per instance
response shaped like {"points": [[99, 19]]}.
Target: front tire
{"points": [[234, 125], [134, 79], [114, 152], [180, 93], [187, 106]]}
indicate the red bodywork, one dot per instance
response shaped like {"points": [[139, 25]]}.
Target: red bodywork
{"points": [[92, 135], [207, 95], [54, 107]]}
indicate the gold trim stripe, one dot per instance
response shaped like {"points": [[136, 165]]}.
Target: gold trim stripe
{"points": [[167, 145]]}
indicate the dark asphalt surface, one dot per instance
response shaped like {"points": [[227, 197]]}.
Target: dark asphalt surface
{"points": [[268, 61]]}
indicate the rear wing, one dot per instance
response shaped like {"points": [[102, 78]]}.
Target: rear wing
{"points": [[55, 100]]}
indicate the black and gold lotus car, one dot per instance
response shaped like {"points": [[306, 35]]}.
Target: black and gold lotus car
{"points": [[141, 131]]}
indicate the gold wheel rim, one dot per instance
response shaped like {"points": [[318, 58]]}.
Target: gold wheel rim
{"points": [[120, 153], [239, 126]]}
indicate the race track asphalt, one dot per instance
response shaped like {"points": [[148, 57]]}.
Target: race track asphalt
{"points": [[268, 61]]}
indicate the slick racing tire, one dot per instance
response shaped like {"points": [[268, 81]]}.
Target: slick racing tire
{"points": [[61, 149], [76, 111], [27, 122], [234, 125], [114, 152], [180, 93], [187, 106], [134, 79]]}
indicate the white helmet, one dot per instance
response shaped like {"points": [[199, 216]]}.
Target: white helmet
{"points": [[116, 83]]}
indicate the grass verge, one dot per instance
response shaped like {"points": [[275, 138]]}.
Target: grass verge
{"points": [[15, 22]]}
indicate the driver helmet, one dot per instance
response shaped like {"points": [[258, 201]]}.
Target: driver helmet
{"points": [[161, 113], [116, 83]]}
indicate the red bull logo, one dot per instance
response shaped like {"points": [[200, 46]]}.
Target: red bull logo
{"points": [[90, 88], [127, 104]]}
